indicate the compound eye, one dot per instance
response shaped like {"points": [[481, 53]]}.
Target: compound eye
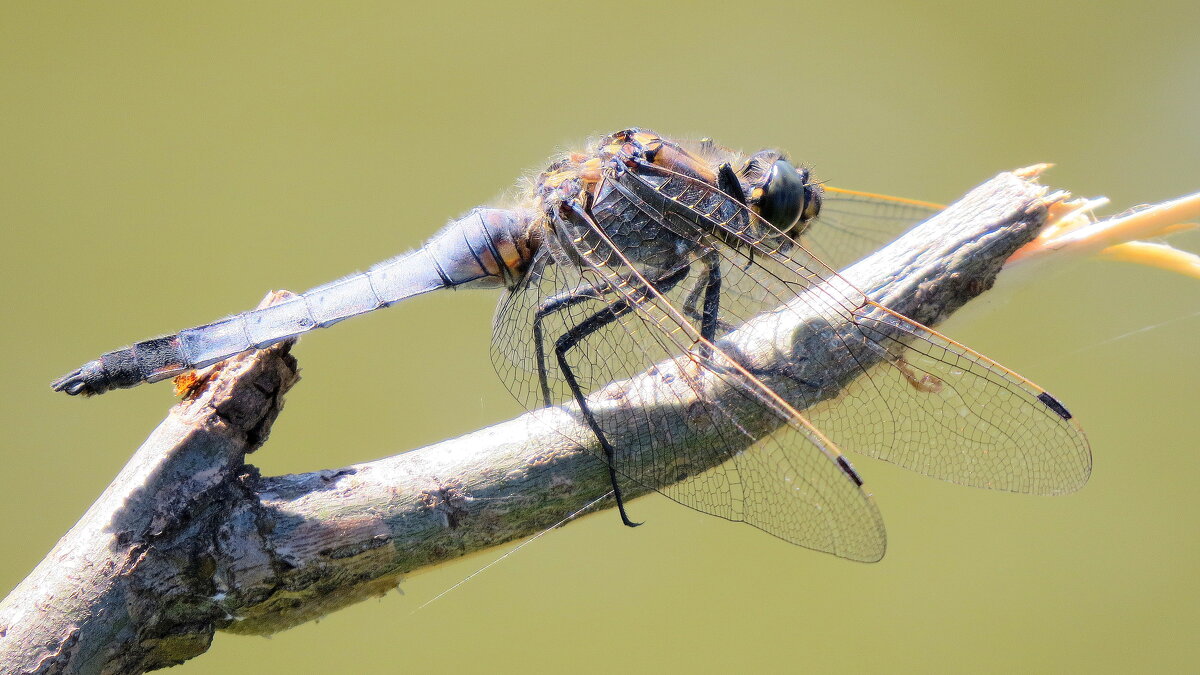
{"points": [[781, 197]]}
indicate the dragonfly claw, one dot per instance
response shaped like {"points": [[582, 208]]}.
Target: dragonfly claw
{"points": [[625, 517]]}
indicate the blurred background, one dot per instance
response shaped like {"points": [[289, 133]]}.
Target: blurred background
{"points": [[164, 165]]}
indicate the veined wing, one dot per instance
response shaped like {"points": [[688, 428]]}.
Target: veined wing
{"points": [[704, 436], [852, 224], [917, 398]]}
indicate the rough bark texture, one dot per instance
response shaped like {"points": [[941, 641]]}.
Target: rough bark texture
{"points": [[131, 587], [189, 539]]}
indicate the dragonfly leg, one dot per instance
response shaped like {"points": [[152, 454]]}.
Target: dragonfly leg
{"points": [[549, 306], [564, 343], [569, 299], [573, 337], [727, 182], [712, 305], [714, 325]]}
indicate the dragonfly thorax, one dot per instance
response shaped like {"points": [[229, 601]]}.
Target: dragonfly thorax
{"points": [[784, 197], [592, 221]]}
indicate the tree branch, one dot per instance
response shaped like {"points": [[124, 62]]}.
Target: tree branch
{"points": [[189, 539]]}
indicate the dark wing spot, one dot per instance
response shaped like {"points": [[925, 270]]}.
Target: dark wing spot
{"points": [[1053, 404], [849, 471]]}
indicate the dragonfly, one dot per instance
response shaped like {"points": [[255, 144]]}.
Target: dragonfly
{"points": [[640, 251]]}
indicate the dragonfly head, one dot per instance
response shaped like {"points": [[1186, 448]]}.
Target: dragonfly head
{"points": [[784, 195]]}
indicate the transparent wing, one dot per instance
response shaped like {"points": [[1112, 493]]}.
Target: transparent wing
{"points": [[942, 410], [918, 399], [730, 461], [852, 225]]}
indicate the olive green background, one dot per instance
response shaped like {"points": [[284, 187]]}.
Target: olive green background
{"points": [[163, 165]]}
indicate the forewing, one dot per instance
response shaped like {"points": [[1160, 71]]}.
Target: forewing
{"points": [[853, 225], [704, 437], [913, 397], [940, 409]]}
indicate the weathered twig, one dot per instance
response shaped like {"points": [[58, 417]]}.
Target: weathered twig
{"points": [[188, 539], [129, 588]]}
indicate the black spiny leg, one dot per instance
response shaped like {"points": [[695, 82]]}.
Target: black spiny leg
{"points": [[694, 313], [572, 338], [568, 340], [549, 306], [568, 299], [712, 306], [727, 182]]}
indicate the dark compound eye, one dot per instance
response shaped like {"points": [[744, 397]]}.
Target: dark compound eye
{"points": [[780, 198], [779, 192]]}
